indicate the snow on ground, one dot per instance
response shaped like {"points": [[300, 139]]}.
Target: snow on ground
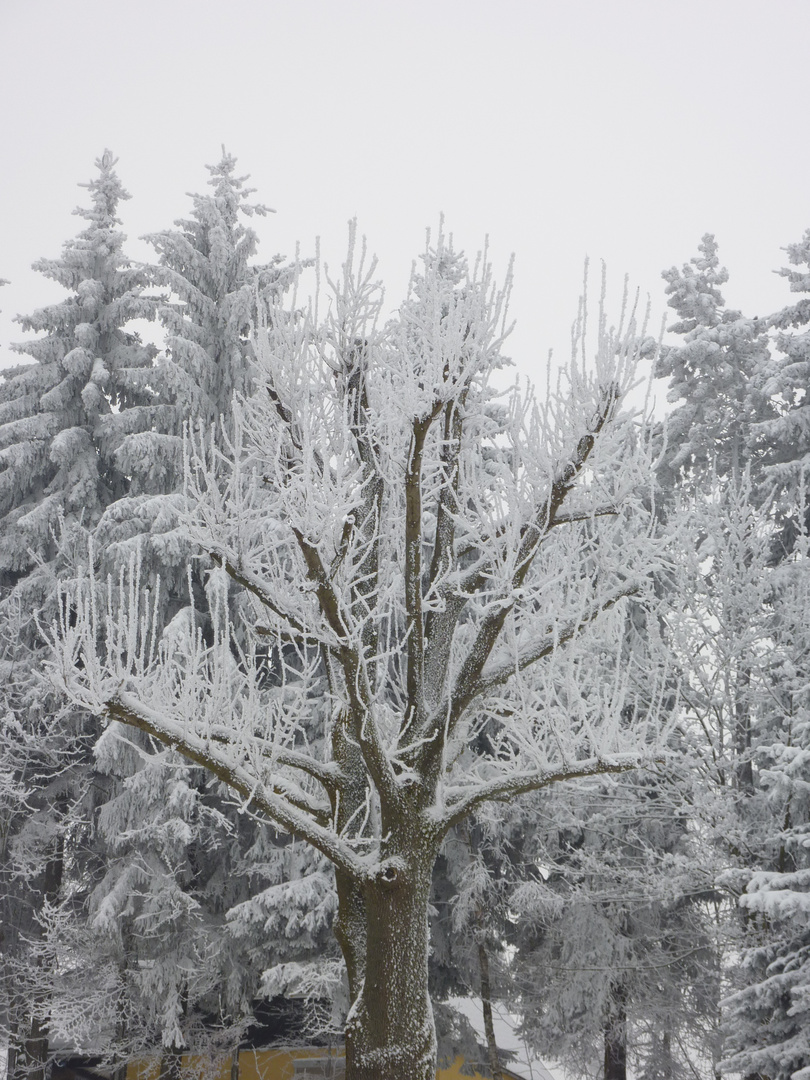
{"points": [[524, 1063]]}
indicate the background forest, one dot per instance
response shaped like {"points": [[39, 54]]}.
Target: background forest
{"points": [[654, 919]]}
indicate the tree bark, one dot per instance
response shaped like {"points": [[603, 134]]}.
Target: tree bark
{"points": [[36, 1050], [390, 1033], [742, 735], [666, 1068]]}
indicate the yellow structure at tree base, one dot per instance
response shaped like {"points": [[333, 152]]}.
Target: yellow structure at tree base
{"points": [[278, 1063]]}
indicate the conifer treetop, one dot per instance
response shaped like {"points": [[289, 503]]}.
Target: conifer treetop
{"points": [[63, 416]]}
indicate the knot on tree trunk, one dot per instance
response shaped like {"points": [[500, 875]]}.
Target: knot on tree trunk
{"points": [[391, 873]]}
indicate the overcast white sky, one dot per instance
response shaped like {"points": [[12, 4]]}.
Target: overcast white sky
{"points": [[622, 129]]}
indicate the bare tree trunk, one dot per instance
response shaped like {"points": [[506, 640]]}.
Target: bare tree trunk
{"points": [[36, 1050], [742, 734], [486, 1004], [666, 1056], [14, 1039], [119, 1070], [390, 1033]]}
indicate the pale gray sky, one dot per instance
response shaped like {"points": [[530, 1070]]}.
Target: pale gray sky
{"points": [[622, 129]]}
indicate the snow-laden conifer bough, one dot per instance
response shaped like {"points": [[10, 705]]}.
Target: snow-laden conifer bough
{"points": [[432, 572]]}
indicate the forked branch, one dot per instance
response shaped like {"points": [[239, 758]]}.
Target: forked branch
{"points": [[532, 535]]}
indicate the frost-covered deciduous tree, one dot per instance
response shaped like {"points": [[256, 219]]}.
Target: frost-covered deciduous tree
{"points": [[716, 629], [428, 564], [613, 965]]}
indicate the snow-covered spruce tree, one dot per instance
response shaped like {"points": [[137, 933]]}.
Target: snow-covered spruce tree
{"points": [[428, 562], [168, 830], [62, 419], [767, 1017], [723, 630], [64, 416], [717, 631], [205, 268], [787, 380], [40, 768], [615, 970], [714, 473], [715, 376]]}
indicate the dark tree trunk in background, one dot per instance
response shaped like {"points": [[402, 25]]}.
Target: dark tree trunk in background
{"points": [[616, 1040], [170, 1063], [33, 1061], [486, 1004]]}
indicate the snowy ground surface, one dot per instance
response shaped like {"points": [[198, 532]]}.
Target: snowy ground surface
{"points": [[524, 1063]]}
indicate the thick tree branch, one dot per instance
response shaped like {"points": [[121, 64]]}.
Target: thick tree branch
{"points": [[328, 774], [367, 519], [287, 418], [324, 590], [439, 623], [585, 515], [274, 804], [498, 673], [414, 628], [364, 728], [510, 787], [442, 557], [319, 810]]}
